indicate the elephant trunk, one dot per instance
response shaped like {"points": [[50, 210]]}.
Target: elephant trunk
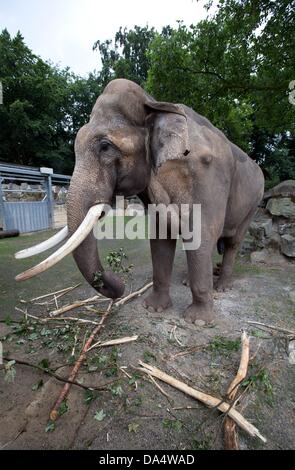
{"points": [[86, 254]]}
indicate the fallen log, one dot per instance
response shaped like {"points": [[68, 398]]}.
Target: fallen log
{"points": [[9, 233]]}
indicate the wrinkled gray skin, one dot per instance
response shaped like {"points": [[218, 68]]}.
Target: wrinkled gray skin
{"points": [[164, 153]]}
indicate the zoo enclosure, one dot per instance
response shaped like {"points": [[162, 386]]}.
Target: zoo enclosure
{"points": [[37, 185]]}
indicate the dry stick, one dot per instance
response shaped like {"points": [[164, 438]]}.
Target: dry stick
{"points": [[189, 350], [73, 374], [160, 388], [113, 342], [134, 294], [64, 291], [272, 327], [56, 376], [230, 434], [208, 400], [48, 319], [77, 304]]}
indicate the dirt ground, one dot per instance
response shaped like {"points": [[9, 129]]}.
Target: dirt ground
{"points": [[132, 413]]}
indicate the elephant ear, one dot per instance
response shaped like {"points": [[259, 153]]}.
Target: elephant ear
{"points": [[167, 132]]}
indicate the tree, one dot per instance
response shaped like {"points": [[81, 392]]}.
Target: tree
{"points": [[43, 107], [125, 57], [234, 67]]}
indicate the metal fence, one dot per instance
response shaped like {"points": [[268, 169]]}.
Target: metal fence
{"points": [[32, 215]]}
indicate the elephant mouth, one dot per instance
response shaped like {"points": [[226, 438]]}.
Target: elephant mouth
{"points": [[96, 213]]}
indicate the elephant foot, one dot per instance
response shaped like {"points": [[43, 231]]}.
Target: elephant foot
{"points": [[185, 281], [199, 314], [223, 284], [216, 269], [157, 302]]}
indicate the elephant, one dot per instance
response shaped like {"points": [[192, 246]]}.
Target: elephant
{"points": [[163, 153]]}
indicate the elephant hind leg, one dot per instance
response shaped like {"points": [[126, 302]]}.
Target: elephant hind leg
{"points": [[231, 247]]}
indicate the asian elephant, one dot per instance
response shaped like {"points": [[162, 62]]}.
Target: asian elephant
{"points": [[164, 153]]}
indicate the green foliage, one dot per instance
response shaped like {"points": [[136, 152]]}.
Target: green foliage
{"points": [[173, 424], [223, 346], [234, 67], [43, 107], [125, 57], [115, 260], [260, 380]]}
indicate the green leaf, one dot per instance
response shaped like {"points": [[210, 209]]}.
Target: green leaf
{"points": [[133, 427], [99, 415], [37, 385], [173, 424], [44, 364], [89, 396], [116, 390], [50, 427], [33, 337], [8, 320], [63, 408]]}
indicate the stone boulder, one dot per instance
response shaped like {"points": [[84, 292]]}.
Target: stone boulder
{"points": [[271, 235], [288, 245], [283, 189], [283, 207]]}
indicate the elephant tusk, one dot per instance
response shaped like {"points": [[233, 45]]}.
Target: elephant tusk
{"points": [[50, 243], [93, 215]]}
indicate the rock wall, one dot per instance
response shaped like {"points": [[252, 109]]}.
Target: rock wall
{"points": [[271, 235]]}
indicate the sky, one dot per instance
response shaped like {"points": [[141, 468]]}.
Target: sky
{"points": [[64, 31]]}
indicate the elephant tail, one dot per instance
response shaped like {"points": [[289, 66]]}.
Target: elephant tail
{"points": [[220, 246]]}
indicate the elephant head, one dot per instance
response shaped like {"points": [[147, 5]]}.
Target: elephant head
{"points": [[128, 136]]}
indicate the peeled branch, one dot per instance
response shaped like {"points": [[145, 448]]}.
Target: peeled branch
{"points": [[208, 400], [230, 434]]}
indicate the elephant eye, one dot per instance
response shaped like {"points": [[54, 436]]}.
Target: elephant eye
{"points": [[104, 145]]}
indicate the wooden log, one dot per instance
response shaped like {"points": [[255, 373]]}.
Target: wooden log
{"points": [[9, 233]]}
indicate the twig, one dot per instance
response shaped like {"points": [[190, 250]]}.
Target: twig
{"points": [[77, 304], [189, 350], [73, 374], [272, 327], [122, 369], [56, 376], [173, 333], [230, 434], [48, 319], [113, 342], [134, 294], [160, 388], [64, 291], [204, 398]]}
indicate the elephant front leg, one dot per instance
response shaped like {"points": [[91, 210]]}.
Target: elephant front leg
{"points": [[201, 284], [162, 258]]}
